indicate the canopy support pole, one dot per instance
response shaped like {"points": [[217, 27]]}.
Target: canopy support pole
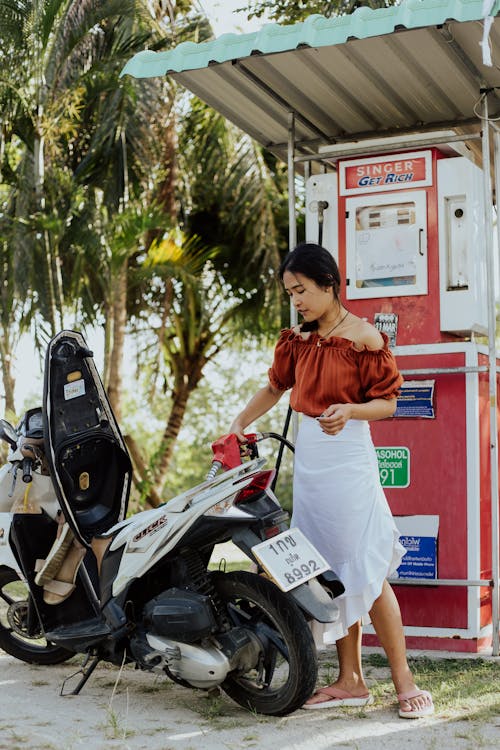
{"points": [[495, 536], [292, 230], [488, 218]]}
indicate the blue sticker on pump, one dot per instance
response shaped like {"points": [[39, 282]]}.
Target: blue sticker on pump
{"points": [[416, 399], [420, 559]]}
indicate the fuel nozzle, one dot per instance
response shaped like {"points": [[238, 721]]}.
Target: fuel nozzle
{"points": [[228, 452]]}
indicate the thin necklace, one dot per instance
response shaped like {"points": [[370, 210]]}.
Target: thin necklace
{"points": [[332, 329]]}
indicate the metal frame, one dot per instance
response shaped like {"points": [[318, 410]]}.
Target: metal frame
{"points": [[349, 149]]}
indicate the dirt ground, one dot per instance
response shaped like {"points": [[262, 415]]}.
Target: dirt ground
{"points": [[132, 710]]}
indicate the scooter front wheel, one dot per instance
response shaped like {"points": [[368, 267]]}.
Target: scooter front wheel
{"points": [[16, 637], [286, 673]]}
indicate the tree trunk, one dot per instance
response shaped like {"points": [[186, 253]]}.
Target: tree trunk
{"points": [[142, 473], [165, 195], [8, 380], [186, 382], [167, 304], [118, 342], [108, 342], [166, 192], [39, 182]]}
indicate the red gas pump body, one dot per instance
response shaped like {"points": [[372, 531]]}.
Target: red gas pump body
{"points": [[418, 198], [449, 478]]}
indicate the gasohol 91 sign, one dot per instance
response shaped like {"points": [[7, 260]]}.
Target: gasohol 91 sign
{"points": [[394, 465]]}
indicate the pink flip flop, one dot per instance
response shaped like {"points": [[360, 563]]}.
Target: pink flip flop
{"points": [[337, 697], [415, 712]]}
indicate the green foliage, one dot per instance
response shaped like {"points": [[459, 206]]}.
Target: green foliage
{"points": [[56, 98], [230, 380], [293, 11], [99, 175], [234, 197]]}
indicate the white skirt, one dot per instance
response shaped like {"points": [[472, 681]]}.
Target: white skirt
{"points": [[339, 504]]}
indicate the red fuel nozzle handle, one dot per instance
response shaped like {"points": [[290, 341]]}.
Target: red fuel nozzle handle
{"points": [[227, 449]]}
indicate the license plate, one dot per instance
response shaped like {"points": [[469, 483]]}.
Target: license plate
{"points": [[290, 559]]}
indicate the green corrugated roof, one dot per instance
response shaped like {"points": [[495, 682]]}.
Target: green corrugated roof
{"points": [[316, 31], [394, 71]]}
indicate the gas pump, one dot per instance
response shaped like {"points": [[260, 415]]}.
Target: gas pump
{"points": [[407, 230]]}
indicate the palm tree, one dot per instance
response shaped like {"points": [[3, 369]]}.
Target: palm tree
{"points": [[129, 162], [114, 184], [10, 310], [51, 41], [199, 283], [82, 143], [234, 197], [188, 321]]}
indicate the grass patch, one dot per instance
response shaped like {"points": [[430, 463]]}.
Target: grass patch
{"points": [[375, 660], [17, 590], [465, 687], [470, 686], [116, 726], [210, 707], [230, 567], [222, 713], [15, 741], [155, 687]]}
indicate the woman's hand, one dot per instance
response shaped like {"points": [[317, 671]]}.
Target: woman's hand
{"points": [[238, 429], [335, 417]]}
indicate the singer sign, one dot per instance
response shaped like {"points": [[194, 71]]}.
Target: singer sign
{"points": [[386, 173]]}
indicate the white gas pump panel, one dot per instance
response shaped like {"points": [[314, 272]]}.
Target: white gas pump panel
{"points": [[386, 244], [322, 211], [462, 256], [386, 231]]}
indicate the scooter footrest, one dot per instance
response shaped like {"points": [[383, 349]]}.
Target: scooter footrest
{"points": [[87, 631]]}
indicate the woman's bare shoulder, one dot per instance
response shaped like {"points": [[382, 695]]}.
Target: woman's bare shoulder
{"points": [[365, 335]]}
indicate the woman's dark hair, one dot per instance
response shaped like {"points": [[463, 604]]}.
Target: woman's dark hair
{"points": [[315, 262]]}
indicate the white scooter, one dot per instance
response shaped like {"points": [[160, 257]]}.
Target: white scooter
{"points": [[143, 590]]}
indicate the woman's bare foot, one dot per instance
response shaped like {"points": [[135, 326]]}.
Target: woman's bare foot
{"points": [[415, 703]]}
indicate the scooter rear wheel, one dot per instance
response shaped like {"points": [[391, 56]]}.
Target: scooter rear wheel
{"points": [[286, 674], [15, 639]]}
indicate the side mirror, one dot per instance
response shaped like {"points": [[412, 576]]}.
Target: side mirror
{"points": [[8, 433]]}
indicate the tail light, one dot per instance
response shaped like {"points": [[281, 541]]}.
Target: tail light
{"points": [[259, 483], [270, 531]]}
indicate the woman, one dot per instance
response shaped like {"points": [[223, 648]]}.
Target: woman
{"points": [[342, 375]]}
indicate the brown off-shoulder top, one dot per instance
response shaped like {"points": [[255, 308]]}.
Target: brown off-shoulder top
{"points": [[321, 371]]}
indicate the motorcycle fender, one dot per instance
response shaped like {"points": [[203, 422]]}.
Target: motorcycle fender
{"points": [[315, 601], [7, 559], [311, 597]]}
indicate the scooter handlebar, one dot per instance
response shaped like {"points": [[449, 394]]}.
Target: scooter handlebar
{"points": [[27, 470]]}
